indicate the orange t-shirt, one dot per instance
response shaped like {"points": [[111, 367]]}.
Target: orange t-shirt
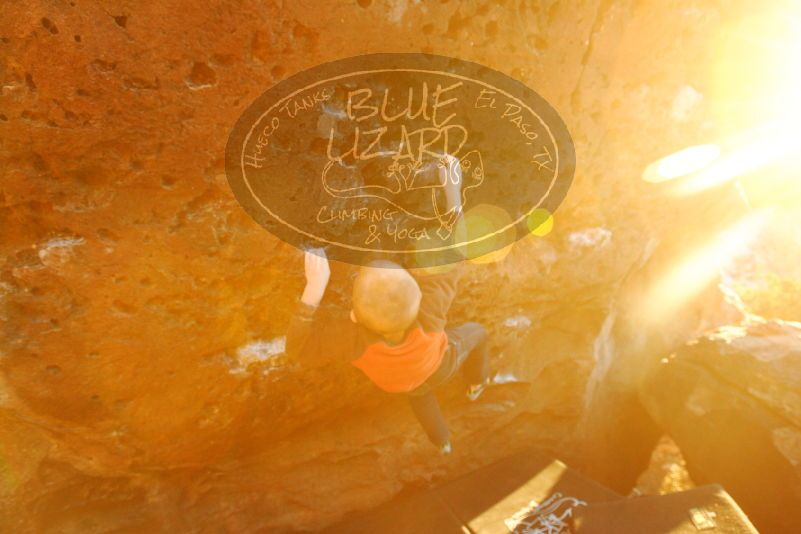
{"points": [[393, 368], [403, 367]]}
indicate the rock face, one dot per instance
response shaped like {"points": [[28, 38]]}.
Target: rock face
{"points": [[616, 435], [143, 386], [731, 401]]}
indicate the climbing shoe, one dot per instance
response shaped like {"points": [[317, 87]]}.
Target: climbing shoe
{"points": [[474, 391]]}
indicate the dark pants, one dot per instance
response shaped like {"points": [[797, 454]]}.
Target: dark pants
{"points": [[467, 350]]}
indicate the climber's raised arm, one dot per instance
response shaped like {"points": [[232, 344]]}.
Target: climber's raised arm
{"points": [[451, 173], [318, 273]]}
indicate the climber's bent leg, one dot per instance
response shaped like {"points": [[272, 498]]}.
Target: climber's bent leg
{"points": [[426, 409], [469, 342]]}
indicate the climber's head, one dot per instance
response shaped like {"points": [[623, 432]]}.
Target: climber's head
{"points": [[386, 298]]}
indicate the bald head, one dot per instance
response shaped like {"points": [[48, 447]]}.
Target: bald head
{"points": [[386, 297]]}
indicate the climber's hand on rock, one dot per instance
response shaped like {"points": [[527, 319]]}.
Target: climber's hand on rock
{"points": [[317, 275]]}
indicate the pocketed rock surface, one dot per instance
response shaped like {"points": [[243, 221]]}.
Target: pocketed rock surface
{"points": [[143, 386]]}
